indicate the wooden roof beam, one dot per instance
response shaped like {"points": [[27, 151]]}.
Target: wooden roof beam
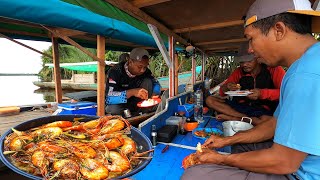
{"points": [[69, 32], [18, 22], [22, 33], [72, 42], [129, 8], [225, 48], [144, 3], [113, 42], [210, 26], [221, 42]]}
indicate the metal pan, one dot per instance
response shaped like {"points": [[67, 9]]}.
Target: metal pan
{"points": [[143, 143]]}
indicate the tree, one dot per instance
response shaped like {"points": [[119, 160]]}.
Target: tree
{"points": [[70, 54]]}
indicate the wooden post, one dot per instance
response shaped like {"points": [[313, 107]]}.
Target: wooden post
{"points": [[57, 74], [193, 70], [204, 60], [172, 67], [176, 74], [101, 76]]}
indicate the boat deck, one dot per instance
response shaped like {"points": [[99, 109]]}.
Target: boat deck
{"points": [[168, 165], [7, 122]]}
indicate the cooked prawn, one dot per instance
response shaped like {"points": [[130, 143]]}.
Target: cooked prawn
{"points": [[18, 142], [82, 150], [48, 132], [39, 160], [129, 146], [60, 124], [92, 127], [50, 147], [112, 125], [119, 163], [67, 168], [93, 169]]}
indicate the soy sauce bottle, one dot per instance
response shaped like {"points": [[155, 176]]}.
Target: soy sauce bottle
{"points": [[182, 130], [154, 135]]}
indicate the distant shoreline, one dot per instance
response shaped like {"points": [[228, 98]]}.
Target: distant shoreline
{"points": [[18, 74]]}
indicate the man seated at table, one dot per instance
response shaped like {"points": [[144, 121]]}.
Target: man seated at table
{"points": [[130, 82], [262, 81]]}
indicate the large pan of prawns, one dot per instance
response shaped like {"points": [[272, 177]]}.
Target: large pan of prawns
{"points": [[75, 147]]}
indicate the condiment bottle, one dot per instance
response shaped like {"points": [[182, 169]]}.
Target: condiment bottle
{"points": [[154, 135]]}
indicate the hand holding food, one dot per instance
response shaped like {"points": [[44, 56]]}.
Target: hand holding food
{"points": [[199, 148], [204, 157], [142, 93], [189, 160]]}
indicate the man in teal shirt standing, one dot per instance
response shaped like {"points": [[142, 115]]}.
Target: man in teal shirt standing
{"points": [[279, 33]]}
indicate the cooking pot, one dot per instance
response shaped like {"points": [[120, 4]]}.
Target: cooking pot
{"points": [[142, 141], [232, 127]]}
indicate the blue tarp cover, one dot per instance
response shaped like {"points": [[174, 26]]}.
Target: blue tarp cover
{"points": [[57, 13]]}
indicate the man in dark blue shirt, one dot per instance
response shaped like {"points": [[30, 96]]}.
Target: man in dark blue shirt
{"points": [[130, 82]]}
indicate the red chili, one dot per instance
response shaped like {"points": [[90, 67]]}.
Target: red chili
{"points": [[165, 149]]}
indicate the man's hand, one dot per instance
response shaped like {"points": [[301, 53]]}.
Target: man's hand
{"points": [[215, 142], [255, 94], [233, 86], [142, 93], [208, 156], [137, 92]]}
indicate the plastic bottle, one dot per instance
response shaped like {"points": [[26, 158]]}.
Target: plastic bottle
{"points": [[154, 135], [198, 106], [181, 128], [207, 84], [191, 98]]}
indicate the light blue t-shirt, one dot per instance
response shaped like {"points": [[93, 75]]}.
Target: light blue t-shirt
{"points": [[298, 113]]}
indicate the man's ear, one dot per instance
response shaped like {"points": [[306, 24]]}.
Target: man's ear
{"points": [[280, 30]]}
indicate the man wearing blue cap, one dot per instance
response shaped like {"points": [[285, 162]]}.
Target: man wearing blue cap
{"points": [[279, 33]]}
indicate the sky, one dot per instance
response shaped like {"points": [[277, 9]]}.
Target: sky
{"points": [[15, 58]]}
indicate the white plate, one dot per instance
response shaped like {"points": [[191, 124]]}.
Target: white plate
{"points": [[238, 93]]}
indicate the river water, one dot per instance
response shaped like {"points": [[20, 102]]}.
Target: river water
{"points": [[19, 90]]}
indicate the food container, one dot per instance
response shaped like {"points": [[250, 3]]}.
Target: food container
{"points": [[189, 126], [143, 142], [167, 133], [232, 127], [173, 120], [83, 107]]}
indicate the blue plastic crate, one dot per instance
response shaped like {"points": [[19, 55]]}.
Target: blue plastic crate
{"points": [[82, 107], [187, 108]]}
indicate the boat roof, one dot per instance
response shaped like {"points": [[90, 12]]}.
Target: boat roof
{"points": [[213, 26], [25, 20]]}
